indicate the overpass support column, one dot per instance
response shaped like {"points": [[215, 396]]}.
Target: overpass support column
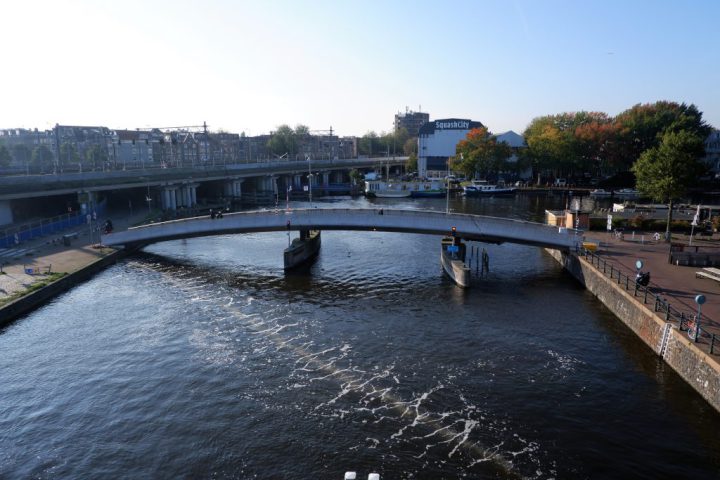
{"points": [[297, 182], [237, 188], [326, 178], [193, 194], [228, 186], [188, 196], [175, 197], [167, 202], [172, 204]]}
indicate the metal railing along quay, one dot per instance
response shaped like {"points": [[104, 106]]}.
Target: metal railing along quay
{"points": [[13, 236], [651, 295]]}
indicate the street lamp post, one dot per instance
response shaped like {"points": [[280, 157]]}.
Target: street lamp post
{"points": [[310, 177], [699, 299]]}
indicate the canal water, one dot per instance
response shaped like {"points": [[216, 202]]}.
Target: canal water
{"points": [[202, 359]]}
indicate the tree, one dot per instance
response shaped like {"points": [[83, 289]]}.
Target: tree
{"points": [[369, 144], [411, 165], [96, 156], [68, 155], [42, 159], [642, 127], [665, 172], [479, 153], [410, 146], [285, 140], [5, 156], [22, 154]]}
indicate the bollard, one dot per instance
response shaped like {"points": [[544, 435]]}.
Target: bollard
{"points": [[712, 343], [667, 312], [611, 271], [657, 300], [682, 320], [627, 283], [645, 298]]}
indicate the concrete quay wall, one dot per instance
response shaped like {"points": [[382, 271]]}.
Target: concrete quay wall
{"points": [[692, 364], [33, 300]]}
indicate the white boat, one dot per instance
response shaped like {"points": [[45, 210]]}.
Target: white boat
{"points": [[599, 192], [627, 192], [402, 189], [482, 188], [383, 189]]}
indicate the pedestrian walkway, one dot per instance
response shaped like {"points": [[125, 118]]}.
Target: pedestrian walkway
{"points": [[50, 254], [678, 285]]}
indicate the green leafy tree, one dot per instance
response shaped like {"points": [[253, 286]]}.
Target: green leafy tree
{"points": [[5, 156], [369, 144], [642, 127], [285, 140], [96, 157], [42, 159], [665, 172]]}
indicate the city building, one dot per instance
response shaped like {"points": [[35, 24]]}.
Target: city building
{"points": [[411, 121], [516, 142], [436, 143], [21, 143]]}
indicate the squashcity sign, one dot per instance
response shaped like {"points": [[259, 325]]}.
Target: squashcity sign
{"points": [[452, 125]]}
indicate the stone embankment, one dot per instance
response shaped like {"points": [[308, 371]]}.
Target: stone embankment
{"points": [[696, 367]]}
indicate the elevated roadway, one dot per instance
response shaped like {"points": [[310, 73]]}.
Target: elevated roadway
{"points": [[469, 227], [30, 186]]}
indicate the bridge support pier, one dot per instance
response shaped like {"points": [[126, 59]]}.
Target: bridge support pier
{"points": [[233, 188]]}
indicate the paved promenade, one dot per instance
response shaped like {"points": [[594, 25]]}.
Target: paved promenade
{"points": [[49, 252], [677, 284]]}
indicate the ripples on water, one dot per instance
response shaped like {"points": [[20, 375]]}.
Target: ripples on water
{"points": [[200, 358]]}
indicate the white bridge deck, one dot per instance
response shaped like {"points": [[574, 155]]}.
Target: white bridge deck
{"points": [[469, 227]]}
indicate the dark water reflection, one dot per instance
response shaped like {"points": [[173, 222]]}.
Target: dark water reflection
{"points": [[200, 358]]}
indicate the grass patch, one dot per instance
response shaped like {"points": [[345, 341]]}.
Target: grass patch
{"points": [[46, 280]]}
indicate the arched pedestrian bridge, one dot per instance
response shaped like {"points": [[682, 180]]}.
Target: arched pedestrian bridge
{"points": [[469, 227]]}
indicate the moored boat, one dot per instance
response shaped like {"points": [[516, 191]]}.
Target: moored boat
{"points": [[402, 189], [479, 188], [383, 189], [627, 192], [599, 192]]}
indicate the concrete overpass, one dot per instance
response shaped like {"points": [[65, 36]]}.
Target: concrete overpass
{"points": [[469, 227], [30, 186]]}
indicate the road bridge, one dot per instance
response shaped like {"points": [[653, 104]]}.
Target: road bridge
{"points": [[468, 227], [30, 186]]}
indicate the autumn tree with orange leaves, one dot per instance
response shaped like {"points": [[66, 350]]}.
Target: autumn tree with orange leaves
{"points": [[480, 154]]}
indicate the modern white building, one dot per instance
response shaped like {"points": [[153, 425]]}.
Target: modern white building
{"points": [[436, 143]]}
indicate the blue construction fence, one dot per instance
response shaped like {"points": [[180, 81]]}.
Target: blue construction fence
{"points": [[13, 236]]}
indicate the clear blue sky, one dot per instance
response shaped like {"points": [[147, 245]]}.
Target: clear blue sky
{"points": [[251, 66]]}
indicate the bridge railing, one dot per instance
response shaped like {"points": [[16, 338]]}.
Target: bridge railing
{"points": [[650, 295]]}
